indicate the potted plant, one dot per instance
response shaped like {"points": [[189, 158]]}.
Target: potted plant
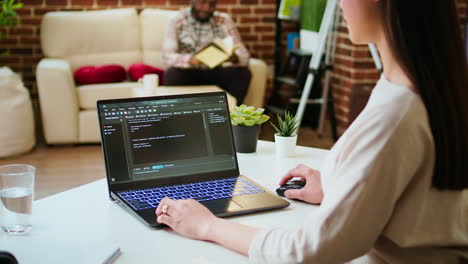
{"points": [[246, 121], [286, 136], [8, 15]]}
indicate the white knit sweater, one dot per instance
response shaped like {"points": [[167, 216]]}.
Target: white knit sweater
{"points": [[379, 206]]}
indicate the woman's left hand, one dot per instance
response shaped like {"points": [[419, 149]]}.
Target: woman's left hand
{"points": [[186, 217]]}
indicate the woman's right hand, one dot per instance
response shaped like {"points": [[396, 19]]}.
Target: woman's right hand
{"points": [[311, 192]]}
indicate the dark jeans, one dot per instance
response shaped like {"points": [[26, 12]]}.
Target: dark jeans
{"points": [[234, 80]]}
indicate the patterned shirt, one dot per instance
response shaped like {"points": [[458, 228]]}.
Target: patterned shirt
{"points": [[186, 35]]}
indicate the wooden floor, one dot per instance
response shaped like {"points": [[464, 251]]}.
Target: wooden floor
{"points": [[59, 168]]}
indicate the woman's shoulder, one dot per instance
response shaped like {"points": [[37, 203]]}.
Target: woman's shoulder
{"points": [[392, 104], [394, 119]]}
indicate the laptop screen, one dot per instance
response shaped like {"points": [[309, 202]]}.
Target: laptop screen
{"points": [[166, 137]]}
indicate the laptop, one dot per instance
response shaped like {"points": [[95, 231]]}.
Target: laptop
{"points": [[178, 146]]}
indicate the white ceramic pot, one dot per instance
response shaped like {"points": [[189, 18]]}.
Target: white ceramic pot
{"points": [[285, 146]]}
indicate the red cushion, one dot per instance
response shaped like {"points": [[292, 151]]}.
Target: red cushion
{"points": [[100, 74], [137, 70]]}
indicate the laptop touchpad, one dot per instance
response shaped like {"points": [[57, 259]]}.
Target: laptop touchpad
{"points": [[222, 206]]}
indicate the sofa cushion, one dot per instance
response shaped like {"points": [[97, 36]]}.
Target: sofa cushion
{"points": [[89, 94], [153, 30], [137, 70], [100, 74], [92, 37]]}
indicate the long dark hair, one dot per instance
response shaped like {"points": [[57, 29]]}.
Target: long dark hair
{"points": [[425, 38]]}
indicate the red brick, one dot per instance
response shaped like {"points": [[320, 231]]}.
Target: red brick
{"points": [[225, 2], [264, 28], [268, 38], [8, 59], [361, 53], [29, 40], [343, 51], [363, 75], [154, 2], [249, 2], [261, 10], [340, 113], [364, 65], [56, 2], [132, 2], [114, 3], [243, 28], [250, 38], [268, 1], [22, 30], [245, 19], [23, 51], [41, 11], [24, 11], [342, 61], [341, 72], [32, 2], [82, 2], [242, 10], [268, 19], [30, 21], [179, 2], [340, 93], [345, 83], [9, 41], [263, 47]]}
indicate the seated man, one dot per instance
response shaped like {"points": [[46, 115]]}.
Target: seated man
{"points": [[191, 30]]}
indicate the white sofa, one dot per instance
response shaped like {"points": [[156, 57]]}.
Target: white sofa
{"points": [[70, 40]]}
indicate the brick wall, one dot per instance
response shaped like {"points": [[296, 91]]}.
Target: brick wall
{"points": [[354, 72]]}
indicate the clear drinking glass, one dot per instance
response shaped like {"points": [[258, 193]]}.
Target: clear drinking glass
{"points": [[16, 197]]}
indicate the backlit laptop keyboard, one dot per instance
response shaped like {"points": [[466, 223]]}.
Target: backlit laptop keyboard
{"points": [[201, 191]]}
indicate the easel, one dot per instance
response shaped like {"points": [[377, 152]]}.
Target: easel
{"points": [[325, 46]]}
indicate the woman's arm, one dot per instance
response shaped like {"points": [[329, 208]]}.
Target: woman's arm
{"points": [[191, 219], [232, 235]]}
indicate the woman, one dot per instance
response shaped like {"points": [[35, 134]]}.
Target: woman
{"points": [[391, 187]]}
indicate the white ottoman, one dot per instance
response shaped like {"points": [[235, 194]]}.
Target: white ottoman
{"points": [[16, 115]]}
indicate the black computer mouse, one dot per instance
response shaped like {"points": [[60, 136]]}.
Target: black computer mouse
{"points": [[296, 184]]}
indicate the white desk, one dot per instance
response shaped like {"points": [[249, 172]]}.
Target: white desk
{"points": [[77, 221]]}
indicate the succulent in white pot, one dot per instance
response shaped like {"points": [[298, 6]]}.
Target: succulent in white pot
{"points": [[286, 135]]}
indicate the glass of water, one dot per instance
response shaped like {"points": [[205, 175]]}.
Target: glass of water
{"points": [[16, 197]]}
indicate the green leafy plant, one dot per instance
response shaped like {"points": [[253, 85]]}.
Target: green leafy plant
{"points": [[287, 126], [248, 116], [8, 15]]}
